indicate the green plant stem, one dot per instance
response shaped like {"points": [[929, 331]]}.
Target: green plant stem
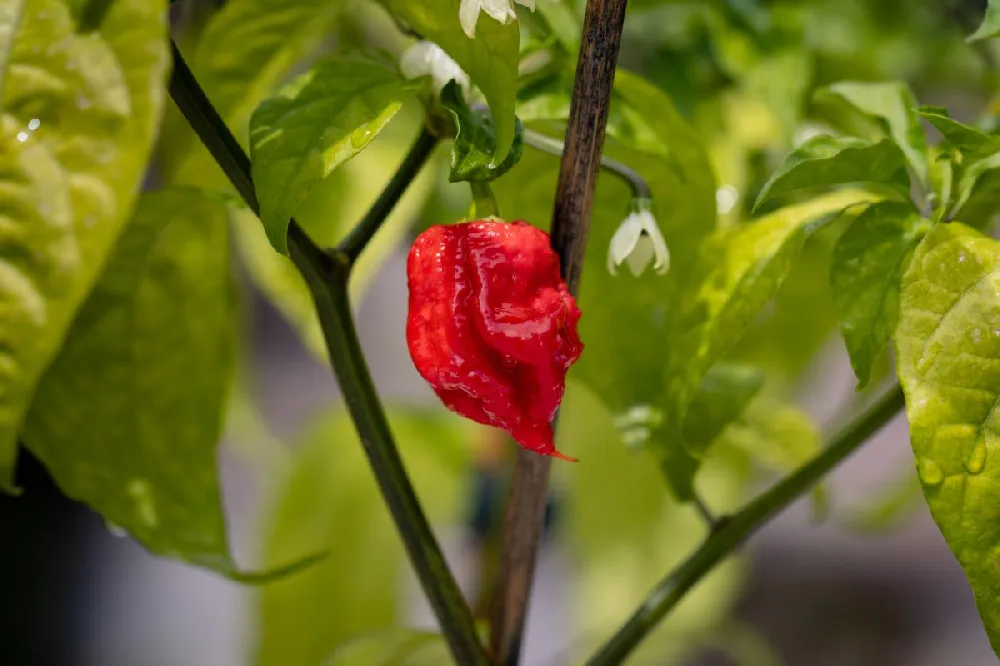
{"points": [[359, 237], [638, 185], [734, 530], [327, 277]]}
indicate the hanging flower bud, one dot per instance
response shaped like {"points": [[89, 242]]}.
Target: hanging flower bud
{"points": [[428, 59], [639, 241], [492, 325], [501, 10]]}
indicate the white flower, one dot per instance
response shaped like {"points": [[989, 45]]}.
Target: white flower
{"points": [[637, 242], [429, 59], [501, 10]]}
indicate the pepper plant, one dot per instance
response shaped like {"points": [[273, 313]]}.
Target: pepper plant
{"points": [[556, 198]]}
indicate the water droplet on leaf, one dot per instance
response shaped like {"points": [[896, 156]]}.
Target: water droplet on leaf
{"points": [[145, 508], [930, 473], [977, 460], [115, 530]]}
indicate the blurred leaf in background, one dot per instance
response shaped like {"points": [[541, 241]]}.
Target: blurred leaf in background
{"points": [[330, 501]]}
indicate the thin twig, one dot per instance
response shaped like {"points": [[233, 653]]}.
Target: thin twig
{"points": [[357, 240], [327, 280], [636, 183], [595, 73], [735, 530]]}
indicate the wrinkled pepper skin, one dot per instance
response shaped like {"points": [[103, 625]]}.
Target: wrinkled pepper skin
{"points": [[492, 326]]}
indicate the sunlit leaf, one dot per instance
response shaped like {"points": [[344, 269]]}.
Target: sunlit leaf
{"points": [[738, 271], [330, 501], [330, 211], [825, 161], [490, 59], [475, 140], [868, 265], [140, 386], [990, 27], [316, 123], [393, 647], [892, 106], [80, 112], [948, 357], [242, 54]]}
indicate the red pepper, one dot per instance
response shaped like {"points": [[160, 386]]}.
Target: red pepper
{"points": [[492, 325]]}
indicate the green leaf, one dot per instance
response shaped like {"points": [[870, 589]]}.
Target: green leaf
{"points": [[140, 386], [80, 113], [316, 123], [621, 542], [893, 107], [868, 265], [971, 142], [824, 161], [475, 141], [243, 53], [774, 433], [948, 359], [330, 211], [393, 647], [330, 501], [990, 27], [738, 270], [978, 192], [490, 59], [777, 435], [724, 393]]}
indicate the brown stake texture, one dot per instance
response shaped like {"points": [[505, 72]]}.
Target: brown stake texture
{"points": [[595, 74]]}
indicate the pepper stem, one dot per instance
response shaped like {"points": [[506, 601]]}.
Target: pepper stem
{"points": [[636, 183], [484, 204], [329, 290]]}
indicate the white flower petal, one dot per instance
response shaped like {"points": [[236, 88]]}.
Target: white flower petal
{"points": [[641, 255], [429, 59], [530, 4], [659, 246], [624, 241], [468, 16]]}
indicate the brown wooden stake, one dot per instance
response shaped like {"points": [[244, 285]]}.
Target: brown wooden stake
{"points": [[588, 116]]}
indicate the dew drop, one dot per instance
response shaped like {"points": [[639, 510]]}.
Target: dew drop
{"points": [[977, 335], [962, 257], [930, 473], [977, 460], [34, 124], [22, 136], [145, 508], [726, 198], [115, 530]]}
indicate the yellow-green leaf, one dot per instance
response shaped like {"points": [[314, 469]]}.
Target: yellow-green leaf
{"points": [[80, 112], [128, 416], [393, 647], [241, 56], [825, 161], [316, 123], [948, 357], [737, 272]]}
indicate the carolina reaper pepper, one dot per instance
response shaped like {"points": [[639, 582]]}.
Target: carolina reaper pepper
{"points": [[492, 325]]}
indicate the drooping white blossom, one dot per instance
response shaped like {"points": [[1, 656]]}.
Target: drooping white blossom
{"points": [[501, 10], [429, 59], [637, 242]]}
